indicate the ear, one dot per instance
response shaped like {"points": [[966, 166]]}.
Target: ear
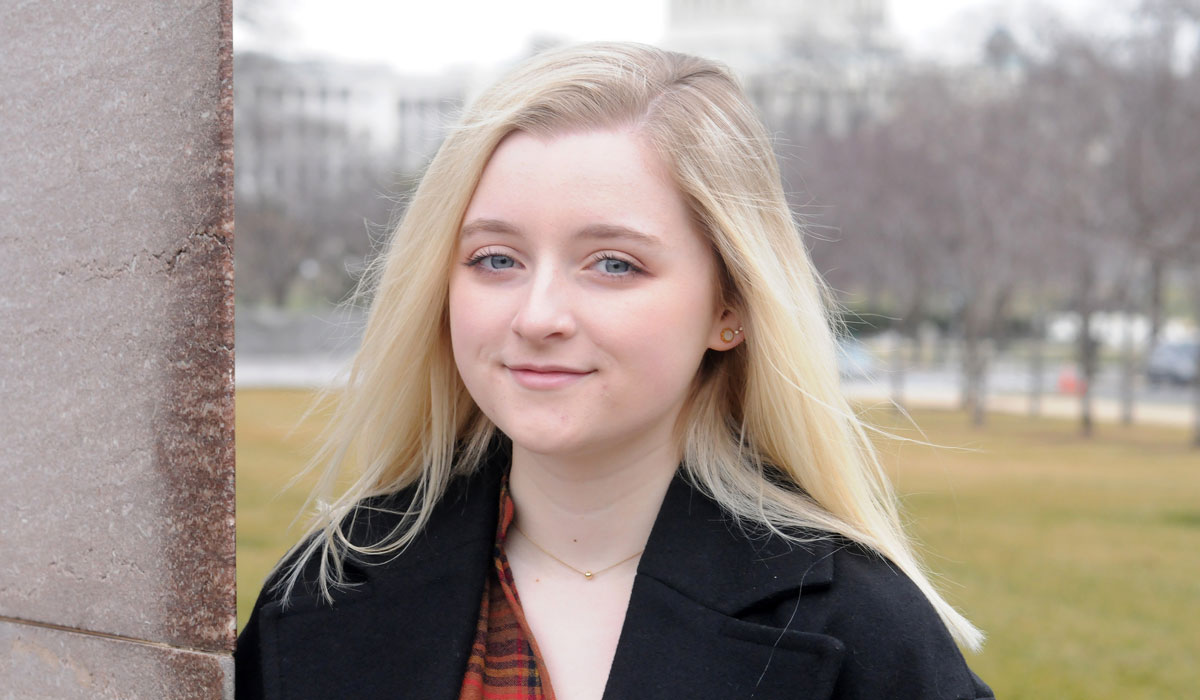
{"points": [[727, 331]]}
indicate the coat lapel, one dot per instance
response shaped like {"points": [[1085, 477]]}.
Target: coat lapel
{"points": [[407, 630], [693, 627]]}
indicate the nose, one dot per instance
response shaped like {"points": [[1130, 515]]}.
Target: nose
{"points": [[545, 309]]}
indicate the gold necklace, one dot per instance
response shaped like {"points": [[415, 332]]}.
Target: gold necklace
{"points": [[586, 574]]}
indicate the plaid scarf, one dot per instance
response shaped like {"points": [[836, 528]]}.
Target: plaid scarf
{"points": [[505, 663]]}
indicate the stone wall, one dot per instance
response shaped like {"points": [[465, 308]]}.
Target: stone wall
{"points": [[116, 386]]}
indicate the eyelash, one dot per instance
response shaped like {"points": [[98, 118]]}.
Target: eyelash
{"points": [[633, 269], [485, 254], [481, 256]]}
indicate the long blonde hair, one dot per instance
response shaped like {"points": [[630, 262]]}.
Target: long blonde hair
{"points": [[762, 419]]}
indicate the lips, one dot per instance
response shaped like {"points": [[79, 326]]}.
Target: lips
{"points": [[548, 368], [542, 377]]}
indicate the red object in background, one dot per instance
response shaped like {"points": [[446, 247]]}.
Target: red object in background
{"points": [[1069, 382]]}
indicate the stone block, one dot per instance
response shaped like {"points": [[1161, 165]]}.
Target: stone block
{"points": [[116, 295], [37, 663]]}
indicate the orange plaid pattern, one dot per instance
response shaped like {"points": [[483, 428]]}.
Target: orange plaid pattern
{"points": [[505, 663]]}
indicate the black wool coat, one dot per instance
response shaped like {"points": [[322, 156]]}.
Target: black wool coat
{"points": [[714, 613]]}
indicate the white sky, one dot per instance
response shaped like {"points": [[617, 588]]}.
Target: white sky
{"points": [[430, 35]]}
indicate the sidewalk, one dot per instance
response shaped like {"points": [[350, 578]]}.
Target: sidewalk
{"points": [[289, 372], [1053, 405]]}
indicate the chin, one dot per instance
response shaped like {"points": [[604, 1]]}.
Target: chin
{"points": [[542, 441], [541, 445]]}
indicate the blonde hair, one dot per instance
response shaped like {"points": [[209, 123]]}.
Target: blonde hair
{"points": [[766, 432]]}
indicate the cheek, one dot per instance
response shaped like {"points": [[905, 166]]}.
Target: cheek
{"points": [[666, 338], [468, 318]]}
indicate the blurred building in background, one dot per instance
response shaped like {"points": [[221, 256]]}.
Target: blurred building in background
{"points": [[325, 151], [312, 127], [810, 66]]}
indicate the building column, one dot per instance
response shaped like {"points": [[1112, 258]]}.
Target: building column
{"points": [[116, 387]]}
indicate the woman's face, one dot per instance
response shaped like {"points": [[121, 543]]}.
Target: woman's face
{"points": [[582, 298]]}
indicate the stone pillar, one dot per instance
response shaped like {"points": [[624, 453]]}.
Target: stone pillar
{"points": [[116, 385]]}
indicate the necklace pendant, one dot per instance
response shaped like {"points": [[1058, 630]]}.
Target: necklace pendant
{"points": [[588, 575]]}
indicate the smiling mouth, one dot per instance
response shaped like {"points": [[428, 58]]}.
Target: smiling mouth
{"points": [[541, 379]]}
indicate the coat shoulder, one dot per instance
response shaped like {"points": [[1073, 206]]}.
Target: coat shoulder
{"points": [[302, 564], [897, 645], [293, 590], [368, 523]]}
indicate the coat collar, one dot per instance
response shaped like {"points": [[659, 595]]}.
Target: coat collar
{"points": [[686, 632], [697, 549]]}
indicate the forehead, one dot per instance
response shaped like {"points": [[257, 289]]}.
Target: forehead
{"points": [[598, 156], [605, 181]]}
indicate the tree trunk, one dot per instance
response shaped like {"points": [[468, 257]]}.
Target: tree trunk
{"points": [[973, 363], [996, 328], [979, 407], [967, 364], [1087, 348], [1087, 371], [1127, 367], [906, 334], [964, 366], [1037, 357], [1156, 300], [917, 354]]}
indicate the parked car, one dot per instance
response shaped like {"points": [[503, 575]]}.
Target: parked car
{"points": [[1172, 362]]}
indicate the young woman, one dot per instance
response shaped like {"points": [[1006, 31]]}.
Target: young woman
{"points": [[602, 446]]}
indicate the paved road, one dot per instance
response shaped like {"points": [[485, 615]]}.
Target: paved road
{"points": [[1009, 386]]}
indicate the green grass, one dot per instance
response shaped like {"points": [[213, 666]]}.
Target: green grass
{"points": [[1079, 558], [272, 447]]}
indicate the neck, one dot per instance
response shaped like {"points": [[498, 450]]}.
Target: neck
{"points": [[591, 511]]}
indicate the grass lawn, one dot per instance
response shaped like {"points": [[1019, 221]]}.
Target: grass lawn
{"points": [[1079, 558], [272, 447]]}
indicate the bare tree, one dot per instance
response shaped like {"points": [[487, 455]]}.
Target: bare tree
{"points": [[1075, 88], [972, 139], [1167, 176], [305, 220], [1061, 179]]}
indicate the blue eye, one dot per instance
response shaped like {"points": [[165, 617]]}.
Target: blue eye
{"points": [[498, 261], [617, 267]]}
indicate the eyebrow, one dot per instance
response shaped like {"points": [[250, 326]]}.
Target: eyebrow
{"points": [[593, 231]]}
